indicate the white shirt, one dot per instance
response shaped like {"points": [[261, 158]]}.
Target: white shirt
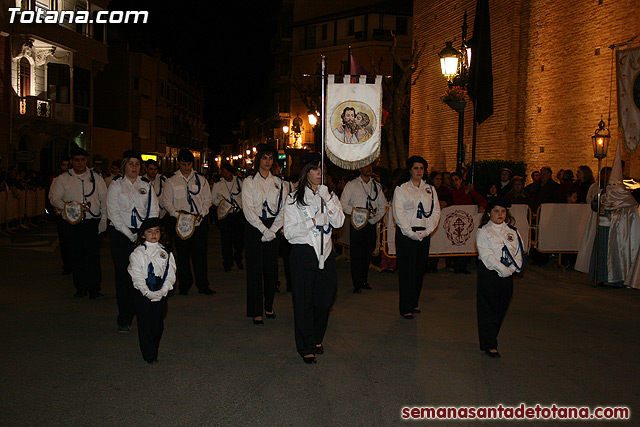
{"points": [[155, 254], [128, 203], [407, 199], [191, 194], [490, 241], [88, 187], [229, 190], [257, 190], [357, 193], [158, 186], [298, 221]]}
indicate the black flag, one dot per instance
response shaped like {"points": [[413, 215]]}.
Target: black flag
{"points": [[480, 85]]}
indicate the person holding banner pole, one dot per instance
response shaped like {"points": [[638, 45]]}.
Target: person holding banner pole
{"points": [[262, 199], [416, 210], [310, 214], [501, 254], [187, 199], [131, 199], [364, 200]]}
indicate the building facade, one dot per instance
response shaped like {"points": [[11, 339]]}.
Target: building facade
{"points": [[552, 71], [47, 102]]}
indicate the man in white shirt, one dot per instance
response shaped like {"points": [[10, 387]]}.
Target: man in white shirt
{"points": [[158, 182], [188, 192], [363, 199], [227, 198], [84, 220]]}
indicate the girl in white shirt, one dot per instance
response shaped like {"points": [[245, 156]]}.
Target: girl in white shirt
{"points": [[501, 254], [310, 214], [416, 211], [153, 272], [130, 200]]}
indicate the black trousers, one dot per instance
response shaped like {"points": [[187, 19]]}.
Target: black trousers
{"points": [[362, 243], [85, 252], [412, 265], [493, 297], [193, 250], [314, 291], [285, 253], [150, 323], [262, 269], [65, 244], [231, 236], [121, 248]]}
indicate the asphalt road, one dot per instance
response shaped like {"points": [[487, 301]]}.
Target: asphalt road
{"points": [[62, 361]]}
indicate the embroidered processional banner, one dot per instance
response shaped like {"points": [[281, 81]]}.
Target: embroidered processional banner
{"points": [[353, 121], [628, 67], [456, 231]]}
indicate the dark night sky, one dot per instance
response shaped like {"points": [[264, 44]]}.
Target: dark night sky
{"points": [[225, 45]]}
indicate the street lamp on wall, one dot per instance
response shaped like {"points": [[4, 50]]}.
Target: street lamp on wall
{"points": [[454, 65]]}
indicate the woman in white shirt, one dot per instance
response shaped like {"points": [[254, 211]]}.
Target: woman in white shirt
{"points": [[310, 214], [416, 211], [263, 195], [130, 200], [501, 254]]}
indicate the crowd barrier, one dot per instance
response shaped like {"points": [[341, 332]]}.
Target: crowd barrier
{"points": [[555, 228], [17, 205]]}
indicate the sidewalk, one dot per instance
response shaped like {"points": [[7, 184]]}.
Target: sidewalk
{"points": [[63, 362]]}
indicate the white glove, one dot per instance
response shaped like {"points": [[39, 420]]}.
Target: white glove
{"points": [[102, 227], [422, 234], [268, 235], [323, 192], [155, 296], [415, 236], [321, 219]]}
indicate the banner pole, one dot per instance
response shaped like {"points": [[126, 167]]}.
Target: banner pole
{"points": [[322, 128], [323, 113]]}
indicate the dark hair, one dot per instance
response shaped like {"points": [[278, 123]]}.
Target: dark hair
{"points": [[164, 239], [588, 174], [345, 111], [416, 159], [298, 195], [452, 174], [485, 218]]}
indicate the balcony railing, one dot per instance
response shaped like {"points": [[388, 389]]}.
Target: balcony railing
{"points": [[32, 106]]}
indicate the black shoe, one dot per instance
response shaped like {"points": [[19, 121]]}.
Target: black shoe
{"points": [[366, 286], [258, 321], [96, 295], [207, 291], [492, 354], [271, 315], [408, 316], [151, 361], [417, 310], [357, 291], [124, 329], [319, 349], [309, 359], [80, 294], [183, 292]]}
